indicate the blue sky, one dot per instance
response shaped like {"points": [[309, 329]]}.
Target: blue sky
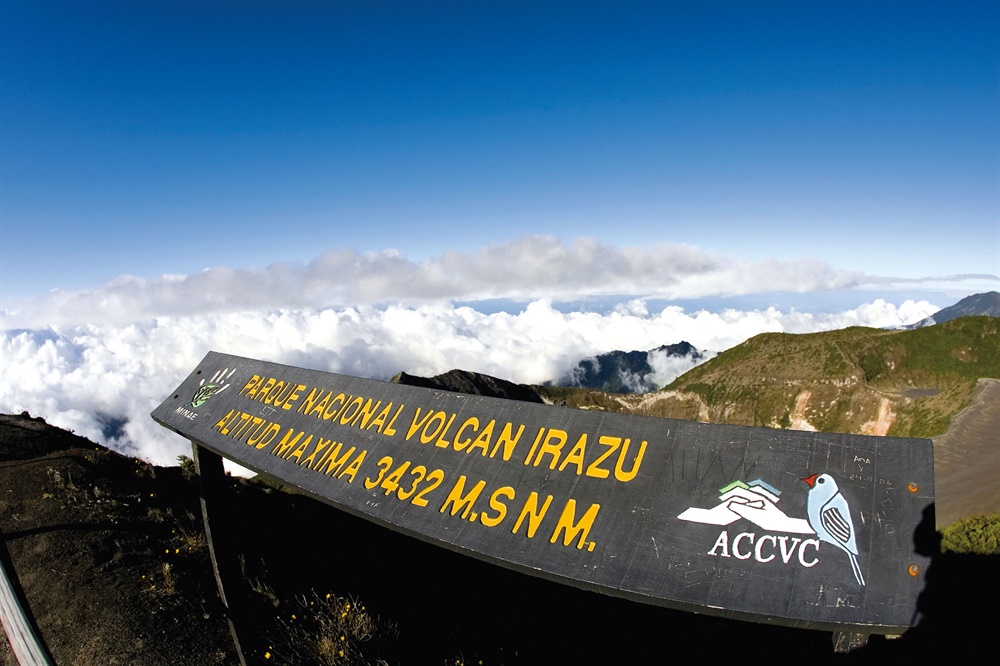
{"points": [[501, 187], [169, 137]]}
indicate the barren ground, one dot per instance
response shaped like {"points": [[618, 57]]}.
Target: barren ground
{"points": [[967, 459], [112, 561]]}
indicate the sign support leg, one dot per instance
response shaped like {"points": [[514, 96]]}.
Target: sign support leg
{"points": [[211, 475], [846, 641]]}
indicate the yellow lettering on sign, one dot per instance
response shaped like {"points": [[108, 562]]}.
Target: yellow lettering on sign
{"points": [[333, 463], [507, 440], [534, 445], [254, 430], [333, 406], [251, 386], [498, 506], [379, 422], [471, 422], [310, 401], [416, 424], [427, 435], [594, 469], [320, 407], [290, 396], [265, 437], [353, 468], [573, 529], [346, 413], [434, 425], [300, 449], [442, 442], [384, 463], [332, 449], [365, 414], [278, 393], [620, 473], [531, 511], [221, 425], [262, 393], [551, 445], [575, 455], [321, 444], [245, 420], [287, 443], [255, 421], [461, 502]]}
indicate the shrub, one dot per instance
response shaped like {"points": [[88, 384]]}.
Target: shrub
{"points": [[187, 467], [326, 630], [978, 535]]}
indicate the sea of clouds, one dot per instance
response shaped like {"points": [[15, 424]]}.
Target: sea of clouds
{"points": [[102, 381], [98, 361]]}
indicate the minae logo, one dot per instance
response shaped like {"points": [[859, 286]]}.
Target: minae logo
{"points": [[213, 387]]}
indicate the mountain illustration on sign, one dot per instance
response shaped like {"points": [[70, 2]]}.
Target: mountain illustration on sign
{"points": [[829, 516], [755, 501]]}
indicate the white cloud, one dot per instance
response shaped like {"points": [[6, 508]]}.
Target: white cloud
{"points": [[527, 268], [668, 368], [98, 361], [88, 377]]}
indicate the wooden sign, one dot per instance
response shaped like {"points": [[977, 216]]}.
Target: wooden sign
{"points": [[804, 529]]}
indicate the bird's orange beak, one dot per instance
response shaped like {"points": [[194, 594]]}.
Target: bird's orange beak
{"points": [[811, 480]]}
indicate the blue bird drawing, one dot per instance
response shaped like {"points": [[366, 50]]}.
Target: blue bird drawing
{"points": [[830, 517]]}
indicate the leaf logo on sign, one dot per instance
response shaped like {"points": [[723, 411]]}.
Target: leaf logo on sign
{"points": [[214, 386]]}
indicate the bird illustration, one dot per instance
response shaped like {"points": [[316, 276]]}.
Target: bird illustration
{"points": [[830, 517]]}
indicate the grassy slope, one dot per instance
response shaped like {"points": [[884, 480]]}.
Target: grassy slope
{"points": [[905, 383]]}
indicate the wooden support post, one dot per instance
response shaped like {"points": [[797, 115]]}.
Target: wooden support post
{"points": [[25, 640], [845, 641], [212, 476]]}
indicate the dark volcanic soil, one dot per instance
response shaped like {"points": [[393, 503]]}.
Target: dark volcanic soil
{"points": [[88, 534], [113, 563]]}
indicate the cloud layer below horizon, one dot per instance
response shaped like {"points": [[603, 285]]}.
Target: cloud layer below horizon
{"points": [[103, 380], [98, 361], [527, 268]]}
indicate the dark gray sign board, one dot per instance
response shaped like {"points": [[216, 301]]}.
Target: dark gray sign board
{"points": [[804, 529]]}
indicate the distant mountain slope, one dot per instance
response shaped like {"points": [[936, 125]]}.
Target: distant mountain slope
{"points": [[462, 381], [987, 304], [631, 372], [857, 380]]}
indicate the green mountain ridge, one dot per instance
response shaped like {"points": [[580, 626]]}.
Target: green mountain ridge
{"points": [[906, 383]]}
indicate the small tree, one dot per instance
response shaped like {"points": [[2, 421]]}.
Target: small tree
{"points": [[978, 535]]}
